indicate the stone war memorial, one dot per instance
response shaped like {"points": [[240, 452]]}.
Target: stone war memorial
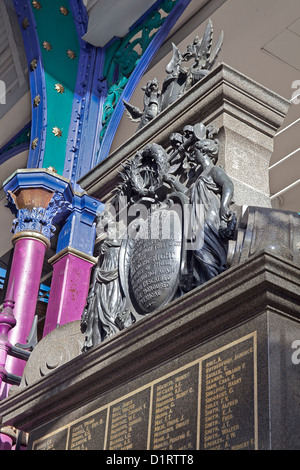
{"points": [[187, 338]]}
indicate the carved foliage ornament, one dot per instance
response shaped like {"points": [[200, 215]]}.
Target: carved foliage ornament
{"points": [[33, 65], [39, 219], [25, 23], [34, 143], [36, 101]]}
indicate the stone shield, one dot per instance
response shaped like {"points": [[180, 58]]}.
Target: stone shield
{"points": [[152, 261]]}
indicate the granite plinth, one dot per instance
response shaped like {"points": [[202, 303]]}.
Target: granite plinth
{"points": [[216, 368]]}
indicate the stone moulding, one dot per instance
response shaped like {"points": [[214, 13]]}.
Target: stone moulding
{"points": [[265, 283], [225, 98], [74, 252]]}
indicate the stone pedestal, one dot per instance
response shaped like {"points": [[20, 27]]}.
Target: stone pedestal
{"points": [[69, 288], [72, 263], [215, 369]]}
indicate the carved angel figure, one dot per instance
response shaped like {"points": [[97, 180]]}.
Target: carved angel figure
{"points": [[210, 194]]}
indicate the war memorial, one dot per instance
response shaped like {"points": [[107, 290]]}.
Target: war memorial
{"points": [[186, 339]]}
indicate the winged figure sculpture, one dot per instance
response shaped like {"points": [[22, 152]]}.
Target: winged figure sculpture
{"points": [[180, 76]]}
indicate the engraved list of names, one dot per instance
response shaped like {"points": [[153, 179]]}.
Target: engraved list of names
{"points": [[209, 403], [174, 416], [227, 417]]}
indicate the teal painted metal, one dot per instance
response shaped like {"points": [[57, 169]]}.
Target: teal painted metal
{"points": [[57, 35]]}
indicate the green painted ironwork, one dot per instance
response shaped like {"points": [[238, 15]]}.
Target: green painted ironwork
{"points": [[124, 54], [22, 138]]}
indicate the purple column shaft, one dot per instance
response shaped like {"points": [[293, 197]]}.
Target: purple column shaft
{"points": [[26, 270], [5, 442], [69, 290]]}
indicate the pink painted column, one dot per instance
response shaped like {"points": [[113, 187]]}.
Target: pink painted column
{"points": [[26, 270], [36, 197], [69, 287], [7, 322], [19, 309]]}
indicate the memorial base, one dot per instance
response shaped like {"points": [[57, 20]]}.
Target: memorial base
{"points": [[216, 369]]}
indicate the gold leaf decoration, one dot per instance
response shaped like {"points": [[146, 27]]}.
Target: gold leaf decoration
{"points": [[51, 168], [56, 131], [36, 5], [36, 101], [47, 46], [25, 23], [59, 88], [71, 54], [33, 64], [34, 143], [64, 11]]}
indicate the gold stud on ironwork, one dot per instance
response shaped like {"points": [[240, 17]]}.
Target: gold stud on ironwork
{"points": [[71, 54], [56, 131], [36, 101], [36, 5], [59, 88], [51, 168], [34, 143], [25, 23], [47, 46], [64, 11], [33, 64]]}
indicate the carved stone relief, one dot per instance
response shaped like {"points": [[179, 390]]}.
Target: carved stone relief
{"points": [[164, 233]]}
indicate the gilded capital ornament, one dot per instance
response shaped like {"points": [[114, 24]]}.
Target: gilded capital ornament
{"points": [[38, 219]]}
